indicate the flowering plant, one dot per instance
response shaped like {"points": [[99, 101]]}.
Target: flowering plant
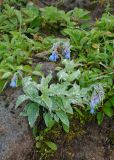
{"points": [[58, 48], [56, 100]]}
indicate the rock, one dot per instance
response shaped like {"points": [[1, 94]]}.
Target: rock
{"points": [[48, 67], [16, 142]]}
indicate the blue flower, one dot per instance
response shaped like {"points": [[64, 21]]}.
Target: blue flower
{"points": [[66, 53], [92, 110], [13, 83], [94, 101], [54, 56]]}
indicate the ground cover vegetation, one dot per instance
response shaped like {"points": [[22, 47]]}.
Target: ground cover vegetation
{"points": [[84, 55]]}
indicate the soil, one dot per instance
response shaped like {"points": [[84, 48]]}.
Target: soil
{"points": [[83, 142], [94, 144]]}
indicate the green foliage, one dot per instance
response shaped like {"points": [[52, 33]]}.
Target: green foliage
{"points": [[106, 22], [80, 17], [107, 108], [25, 20], [14, 2], [13, 53], [54, 99], [100, 117], [41, 142], [53, 16], [79, 14], [54, 19]]}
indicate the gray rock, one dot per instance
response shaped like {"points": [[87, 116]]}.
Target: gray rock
{"points": [[16, 142]]}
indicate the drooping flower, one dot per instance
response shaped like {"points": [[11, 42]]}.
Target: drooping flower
{"points": [[94, 101], [66, 50], [97, 97], [92, 110], [66, 53], [13, 83], [54, 56]]}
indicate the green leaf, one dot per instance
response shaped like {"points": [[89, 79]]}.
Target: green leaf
{"points": [[47, 101], [38, 145], [32, 113], [26, 81], [3, 84], [107, 109], [37, 73], [67, 106], [31, 91], [21, 99], [51, 145], [56, 118], [100, 118], [58, 89], [45, 81], [69, 66], [48, 120], [63, 117], [80, 14], [27, 68], [66, 128], [62, 75], [112, 101], [6, 75], [75, 75], [78, 111], [35, 23], [24, 112], [39, 138]]}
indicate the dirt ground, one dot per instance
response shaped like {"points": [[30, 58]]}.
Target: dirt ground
{"points": [[94, 144]]}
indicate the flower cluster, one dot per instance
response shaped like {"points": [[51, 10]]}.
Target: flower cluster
{"points": [[60, 47]]}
